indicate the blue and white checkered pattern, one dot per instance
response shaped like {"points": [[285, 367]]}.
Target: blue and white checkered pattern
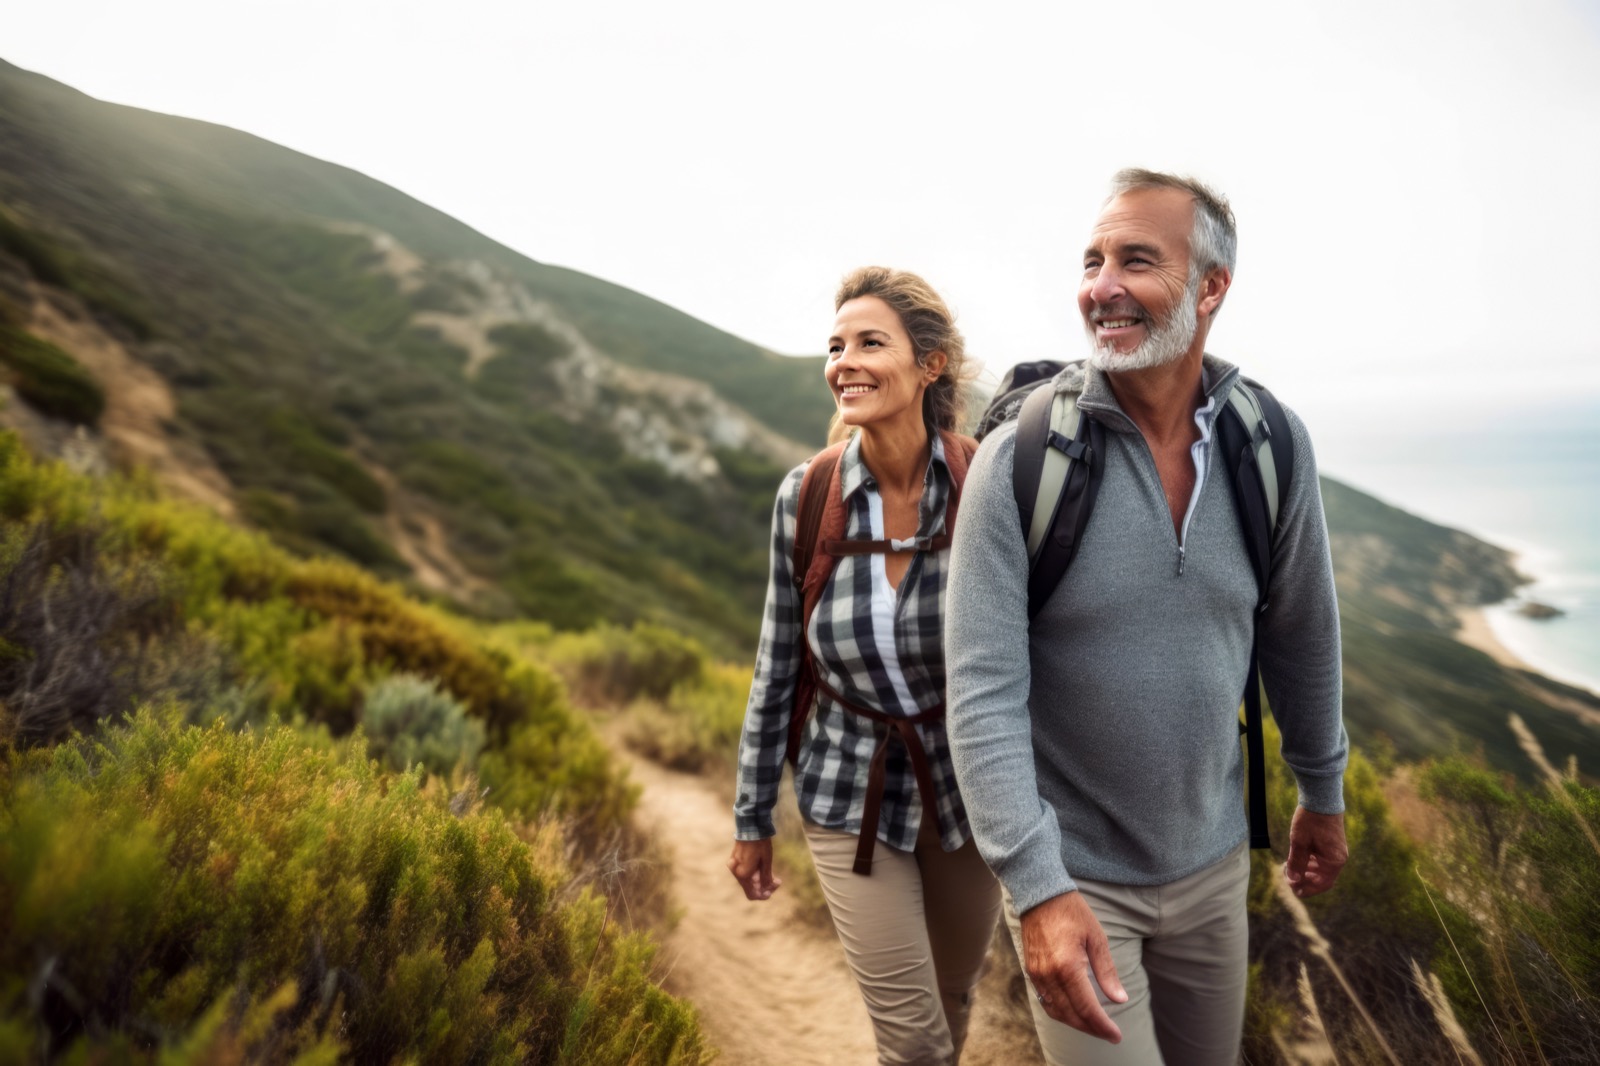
{"points": [[831, 779]]}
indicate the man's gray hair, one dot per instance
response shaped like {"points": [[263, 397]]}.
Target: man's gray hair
{"points": [[1214, 241]]}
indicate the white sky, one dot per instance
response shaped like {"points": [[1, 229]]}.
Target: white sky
{"points": [[1416, 183]]}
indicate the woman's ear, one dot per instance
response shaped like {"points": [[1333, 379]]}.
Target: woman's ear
{"points": [[934, 365]]}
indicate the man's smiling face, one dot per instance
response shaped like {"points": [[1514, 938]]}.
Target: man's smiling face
{"points": [[1137, 296]]}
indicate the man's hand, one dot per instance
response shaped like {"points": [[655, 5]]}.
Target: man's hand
{"points": [[1061, 941], [1317, 852], [751, 866]]}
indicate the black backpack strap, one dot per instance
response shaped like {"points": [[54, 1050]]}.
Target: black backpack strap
{"points": [[1256, 749], [1258, 458], [1082, 484]]}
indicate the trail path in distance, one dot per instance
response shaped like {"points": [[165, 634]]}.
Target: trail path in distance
{"points": [[769, 987]]}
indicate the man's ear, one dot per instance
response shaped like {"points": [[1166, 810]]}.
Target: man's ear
{"points": [[1212, 289]]}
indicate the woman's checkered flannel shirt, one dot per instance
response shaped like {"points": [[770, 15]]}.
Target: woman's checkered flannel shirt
{"points": [[831, 781]]}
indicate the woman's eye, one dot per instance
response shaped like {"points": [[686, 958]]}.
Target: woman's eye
{"points": [[835, 349]]}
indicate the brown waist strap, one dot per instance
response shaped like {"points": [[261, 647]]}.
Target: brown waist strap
{"points": [[905, 729]]}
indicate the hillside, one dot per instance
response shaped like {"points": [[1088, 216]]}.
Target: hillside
{"points": [[314, 353], [351, 370]]}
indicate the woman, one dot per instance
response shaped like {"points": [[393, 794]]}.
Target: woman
{"points": [[913, 903]]}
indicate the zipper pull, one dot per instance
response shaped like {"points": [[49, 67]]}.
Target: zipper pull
{"points": [[1180, 560]]}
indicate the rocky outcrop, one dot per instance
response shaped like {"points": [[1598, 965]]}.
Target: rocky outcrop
{"points": [[675, 422]]}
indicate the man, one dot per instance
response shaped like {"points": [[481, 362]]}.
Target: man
{"points": [[1098, 745]]}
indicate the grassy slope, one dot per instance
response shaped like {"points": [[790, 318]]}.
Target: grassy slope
{"points": [[81, 139], [295, 366]]}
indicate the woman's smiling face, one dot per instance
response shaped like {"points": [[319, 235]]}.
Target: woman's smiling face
{"points": [[872, 365]]}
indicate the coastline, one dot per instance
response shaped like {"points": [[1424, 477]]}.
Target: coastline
{"points": [[1475, 632], [1499, 631]]}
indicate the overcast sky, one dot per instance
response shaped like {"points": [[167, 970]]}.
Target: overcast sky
{"points": [[1415, 183]]}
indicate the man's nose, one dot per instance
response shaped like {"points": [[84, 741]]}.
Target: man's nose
{"points": [[1107, 285]]}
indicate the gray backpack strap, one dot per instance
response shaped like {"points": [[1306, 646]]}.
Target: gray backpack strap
{"points": [[1058, 459], [1055, 475], [1247, 406]]}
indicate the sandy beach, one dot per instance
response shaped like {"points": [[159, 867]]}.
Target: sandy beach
{"points": [[1475, 632]]}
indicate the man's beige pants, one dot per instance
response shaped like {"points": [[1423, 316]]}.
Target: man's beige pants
{"points": [[1181, 952], [916, 933]]}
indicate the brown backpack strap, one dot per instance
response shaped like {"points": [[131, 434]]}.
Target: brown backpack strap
{"points": [[958, 451], [813, 502], [903, 728], [816, 507]]}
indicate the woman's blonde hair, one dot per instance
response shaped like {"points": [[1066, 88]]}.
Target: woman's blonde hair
{"points": [[932, 328]]}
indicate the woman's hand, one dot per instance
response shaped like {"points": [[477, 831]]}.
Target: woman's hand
{"points": [[751, 866]]}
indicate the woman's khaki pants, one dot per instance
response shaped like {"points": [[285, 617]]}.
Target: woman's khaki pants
{"points": [[1181, 952], [916, 934]]}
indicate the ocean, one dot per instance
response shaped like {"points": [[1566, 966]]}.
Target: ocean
{"points": [[1528, 483]]}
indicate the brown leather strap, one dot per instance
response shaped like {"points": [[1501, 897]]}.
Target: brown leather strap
{"points": [[817, 518], [904, 728]]}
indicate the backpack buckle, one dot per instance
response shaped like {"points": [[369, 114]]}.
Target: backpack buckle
{"points": [[1072, 449]]}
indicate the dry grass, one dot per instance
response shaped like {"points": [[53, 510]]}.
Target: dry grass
{"points": [[1311, 1047], [1553, 777], [1319, 947], [1433, 994]]}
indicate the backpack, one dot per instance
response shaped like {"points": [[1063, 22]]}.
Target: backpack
{"points": [[1056, 477], [819, 541]]}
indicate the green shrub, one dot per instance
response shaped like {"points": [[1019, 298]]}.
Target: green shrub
{"points": [[698, 728], [609, 665], [409, 721], [150, 878], [1524, 865], [558, 766], [298, 639], [50, 379], [400, 634]]}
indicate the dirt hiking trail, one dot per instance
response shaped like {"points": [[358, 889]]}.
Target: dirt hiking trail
{"points": [[769, 987]]}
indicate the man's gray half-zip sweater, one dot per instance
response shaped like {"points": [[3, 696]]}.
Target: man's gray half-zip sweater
{"points": [[1104, 741]]}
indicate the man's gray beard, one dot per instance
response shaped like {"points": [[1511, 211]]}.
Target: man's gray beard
{"points": [[1166, 342]]}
